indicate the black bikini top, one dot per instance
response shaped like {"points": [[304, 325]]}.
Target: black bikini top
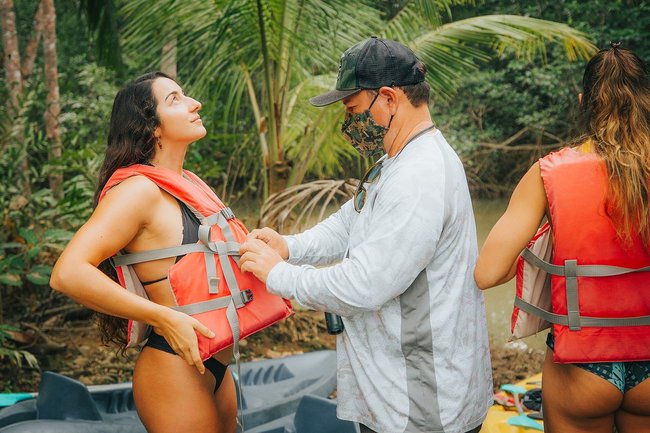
{"points": [[190, 233]]}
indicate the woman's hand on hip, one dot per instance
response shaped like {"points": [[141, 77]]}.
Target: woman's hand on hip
{"points": [[180, 331]]}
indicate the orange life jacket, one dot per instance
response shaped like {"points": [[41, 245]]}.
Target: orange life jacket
{"points": [[600, 288], [206, 283]]}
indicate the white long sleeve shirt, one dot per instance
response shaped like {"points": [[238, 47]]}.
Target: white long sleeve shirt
{"points": [[414, 356]]}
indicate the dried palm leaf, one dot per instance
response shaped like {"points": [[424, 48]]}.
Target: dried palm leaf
{"points": [[294, 208]]}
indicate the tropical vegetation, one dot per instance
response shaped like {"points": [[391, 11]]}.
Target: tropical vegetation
{"points": [[504, 76]]}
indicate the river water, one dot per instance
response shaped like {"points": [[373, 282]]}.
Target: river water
{"points": [[498, 300]]}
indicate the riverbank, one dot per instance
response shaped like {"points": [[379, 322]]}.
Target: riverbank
{"points": [[83, 357]]}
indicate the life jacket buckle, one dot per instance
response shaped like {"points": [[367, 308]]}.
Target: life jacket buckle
{"points": [[246, 296], [227, 213]]}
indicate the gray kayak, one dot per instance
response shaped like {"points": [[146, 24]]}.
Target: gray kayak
{"points": [[273, 392]]}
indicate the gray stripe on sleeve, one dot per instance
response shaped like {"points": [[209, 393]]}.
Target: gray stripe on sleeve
{"points": [[417, 347]]}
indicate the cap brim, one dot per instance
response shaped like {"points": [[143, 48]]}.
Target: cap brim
{"points": [[331, 97]]}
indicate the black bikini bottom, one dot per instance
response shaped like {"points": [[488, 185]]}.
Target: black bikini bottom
{"points": [[218, 370]]}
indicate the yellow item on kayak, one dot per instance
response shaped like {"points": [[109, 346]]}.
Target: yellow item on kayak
{"points": [[508, 414]]}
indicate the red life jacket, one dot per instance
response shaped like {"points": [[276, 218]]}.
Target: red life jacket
{"points": [[206, 283], [600, 289]]}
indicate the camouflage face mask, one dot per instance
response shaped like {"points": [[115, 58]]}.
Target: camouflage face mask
{"points": [[363, 133]]}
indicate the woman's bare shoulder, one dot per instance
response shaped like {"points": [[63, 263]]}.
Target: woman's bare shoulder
{"points": [[135, 198], [135, 188]]}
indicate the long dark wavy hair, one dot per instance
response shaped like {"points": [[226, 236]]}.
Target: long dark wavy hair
{"points": [[615, 114], [131, 141]]}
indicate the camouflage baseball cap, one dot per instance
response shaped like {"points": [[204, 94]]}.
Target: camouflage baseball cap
{"points": [[371, 64]]}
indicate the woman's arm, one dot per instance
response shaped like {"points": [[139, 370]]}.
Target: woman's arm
{"points": [[498, 258], [120, 217]]}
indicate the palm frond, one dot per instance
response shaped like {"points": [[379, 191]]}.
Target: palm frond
{"points": [[220, 60], [294, 208], [454, 50], [102, 21], [419, 14], [527, 36]]}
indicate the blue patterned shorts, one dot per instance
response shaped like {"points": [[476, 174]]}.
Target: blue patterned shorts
{"points": [[623, 375]]}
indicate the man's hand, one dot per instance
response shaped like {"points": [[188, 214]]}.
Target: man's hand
{"points": [[272, 239], [258, 257]]}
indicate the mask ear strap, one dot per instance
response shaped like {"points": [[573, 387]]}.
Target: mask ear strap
{"points": [[372, 103], [373, 100]]}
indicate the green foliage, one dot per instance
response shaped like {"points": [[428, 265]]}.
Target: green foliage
{"points": [[603, 20], [21, 261], [243, 56], [256, 63], [101, 18], [512, 94], [85, 110], [15, 357], [35, 227], [252, 64]]}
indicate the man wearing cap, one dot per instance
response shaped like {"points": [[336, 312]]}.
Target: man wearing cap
{"points": [[395, 262]]}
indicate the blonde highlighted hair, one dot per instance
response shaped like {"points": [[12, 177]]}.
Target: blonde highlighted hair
{"points": [[615, 112]]}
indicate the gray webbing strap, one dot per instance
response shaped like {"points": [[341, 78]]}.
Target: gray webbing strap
{"points": [[221, 219], [163, 253], [204, 234], [233, 321], [582, 270], [210, 264], [607, 322], [229, 274], [211, 273], [571, 283], [550, 268], [228, 303], [558, 319], [607, 271], [585, 321], [203, 306]]}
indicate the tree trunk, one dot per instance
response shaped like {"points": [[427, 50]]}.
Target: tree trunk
{"points": [[32, 46], [279, 172], [168, 58], [53, 109], [11, 59], [11, 64]]}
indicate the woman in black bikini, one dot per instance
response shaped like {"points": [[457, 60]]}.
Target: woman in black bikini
{"points": [[153, 122]]}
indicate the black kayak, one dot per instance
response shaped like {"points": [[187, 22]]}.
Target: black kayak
{"points": [[285, 395]]}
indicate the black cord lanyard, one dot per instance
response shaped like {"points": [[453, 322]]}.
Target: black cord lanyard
{"points": [[419, 134]]}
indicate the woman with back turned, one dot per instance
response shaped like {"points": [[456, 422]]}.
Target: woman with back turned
{"points": [[596, 197]]}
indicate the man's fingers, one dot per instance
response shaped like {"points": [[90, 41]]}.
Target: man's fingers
{"points": [[252, 245], [246, 265], [260, 234], [247, 257], [253, 235], [246, 247]]}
